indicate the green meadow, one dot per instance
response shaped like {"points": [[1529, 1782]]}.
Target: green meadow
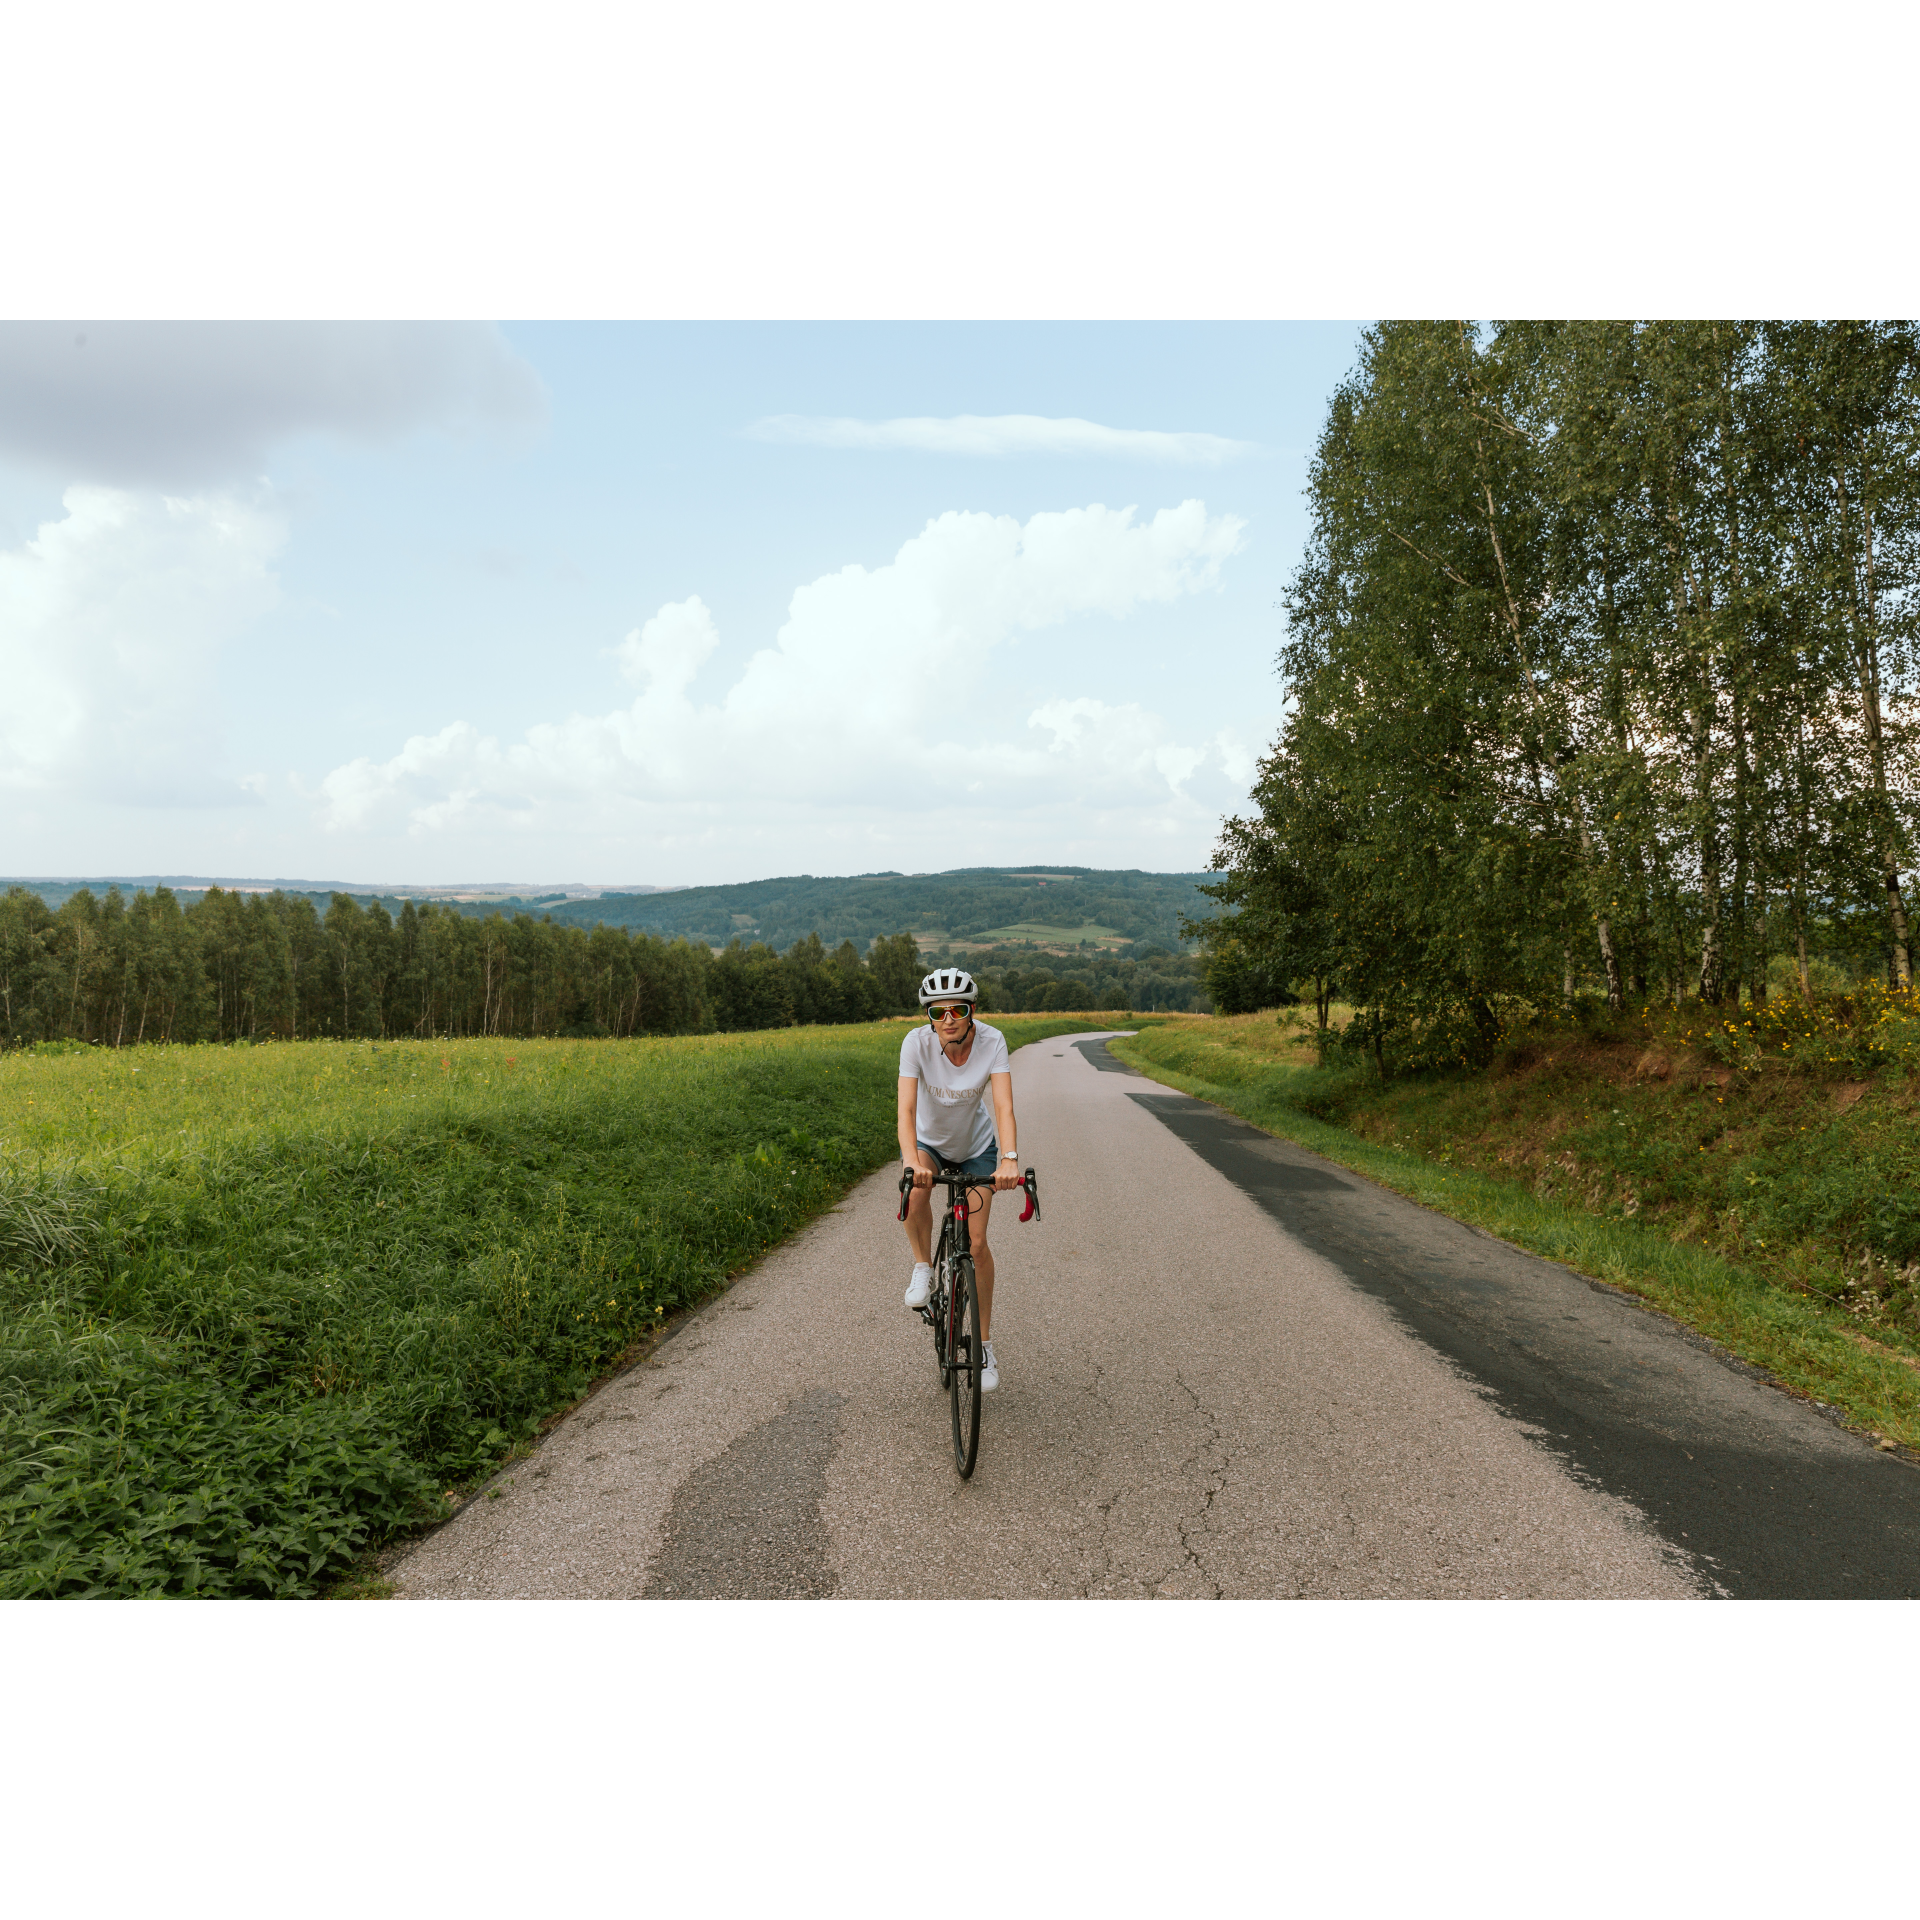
{"points": [[1041, 935], [262, 1308]]}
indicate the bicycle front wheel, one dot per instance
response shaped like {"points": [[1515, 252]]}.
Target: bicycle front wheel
{"points": [[966, 1359], [941, 1316]]}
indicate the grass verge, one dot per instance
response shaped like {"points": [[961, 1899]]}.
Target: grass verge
{"points": [[263, 1308], [1523, 1154]]}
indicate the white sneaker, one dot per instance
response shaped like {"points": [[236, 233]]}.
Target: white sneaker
{"points": [[922, 1280], [990, 1368]]}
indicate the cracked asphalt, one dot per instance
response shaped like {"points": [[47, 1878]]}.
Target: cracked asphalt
{"points": [[1207, 1392]]}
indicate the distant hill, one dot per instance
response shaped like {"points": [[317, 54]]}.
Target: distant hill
{"points": [[977, 905], [970, 907], [481, 898]]}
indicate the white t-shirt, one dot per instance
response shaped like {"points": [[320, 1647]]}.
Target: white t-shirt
{"points": [[954, 1113]]}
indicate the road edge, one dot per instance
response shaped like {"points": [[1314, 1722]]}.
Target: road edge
{"points": [[1888, 1421]]}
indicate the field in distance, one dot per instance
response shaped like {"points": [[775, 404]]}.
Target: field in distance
{"points": [[1035, 933]]}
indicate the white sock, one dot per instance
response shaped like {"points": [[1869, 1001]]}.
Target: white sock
{"points": [[922, 1266]]}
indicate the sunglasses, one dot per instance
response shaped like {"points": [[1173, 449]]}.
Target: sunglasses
{"points": [[948, 1013]]}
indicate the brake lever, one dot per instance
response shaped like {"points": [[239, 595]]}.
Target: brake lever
{"points": [[906, 1191], [1032, 1185]]}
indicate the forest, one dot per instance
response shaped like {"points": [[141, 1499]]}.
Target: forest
{"points": [[250, 967], [1145, 977], [105, 970], [1602, 682]]}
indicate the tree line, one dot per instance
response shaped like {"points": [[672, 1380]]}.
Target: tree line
{"points": [[116, 972], [1149, 979], [1601, 671]]}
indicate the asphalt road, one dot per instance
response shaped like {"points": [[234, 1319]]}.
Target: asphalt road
{"points": [[1229, 1369]]}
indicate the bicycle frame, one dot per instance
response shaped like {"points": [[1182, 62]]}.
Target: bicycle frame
{"points": [[954, 1238], [956, 1352]]}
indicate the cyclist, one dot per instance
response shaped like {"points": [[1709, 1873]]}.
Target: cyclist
{"points": [[956, 1104]]}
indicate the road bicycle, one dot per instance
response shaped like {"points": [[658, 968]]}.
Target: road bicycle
{"points": [[953, 1303]]}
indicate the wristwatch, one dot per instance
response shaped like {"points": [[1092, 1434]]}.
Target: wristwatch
{"points": [[1009, 1156]]}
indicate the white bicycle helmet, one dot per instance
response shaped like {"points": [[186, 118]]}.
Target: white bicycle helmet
{"points": [[948, 983]]}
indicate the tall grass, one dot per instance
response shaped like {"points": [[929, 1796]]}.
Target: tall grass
{"points": [[261, 1307]]}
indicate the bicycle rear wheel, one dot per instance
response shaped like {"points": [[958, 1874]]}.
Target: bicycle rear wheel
{"points": [[964, 1389]]}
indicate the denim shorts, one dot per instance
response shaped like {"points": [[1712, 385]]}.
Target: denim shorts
{"points": [[981, 1167]]}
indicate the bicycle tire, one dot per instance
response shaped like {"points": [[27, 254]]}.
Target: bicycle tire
{"points": [[938, 1304], [964, 1384]]}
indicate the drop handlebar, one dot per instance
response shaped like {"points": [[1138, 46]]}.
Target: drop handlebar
{"points": [[1029, 1185]]}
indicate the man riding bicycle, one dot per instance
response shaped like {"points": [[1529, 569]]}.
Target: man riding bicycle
{"points": [[950, 1070]]}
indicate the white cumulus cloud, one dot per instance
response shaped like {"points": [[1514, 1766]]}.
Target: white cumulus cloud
{"points": [[671, 648], [893, 692], [1000, 436], [111, 623]]}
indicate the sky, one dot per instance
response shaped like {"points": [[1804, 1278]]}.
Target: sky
{"points": [[655, 603]]}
